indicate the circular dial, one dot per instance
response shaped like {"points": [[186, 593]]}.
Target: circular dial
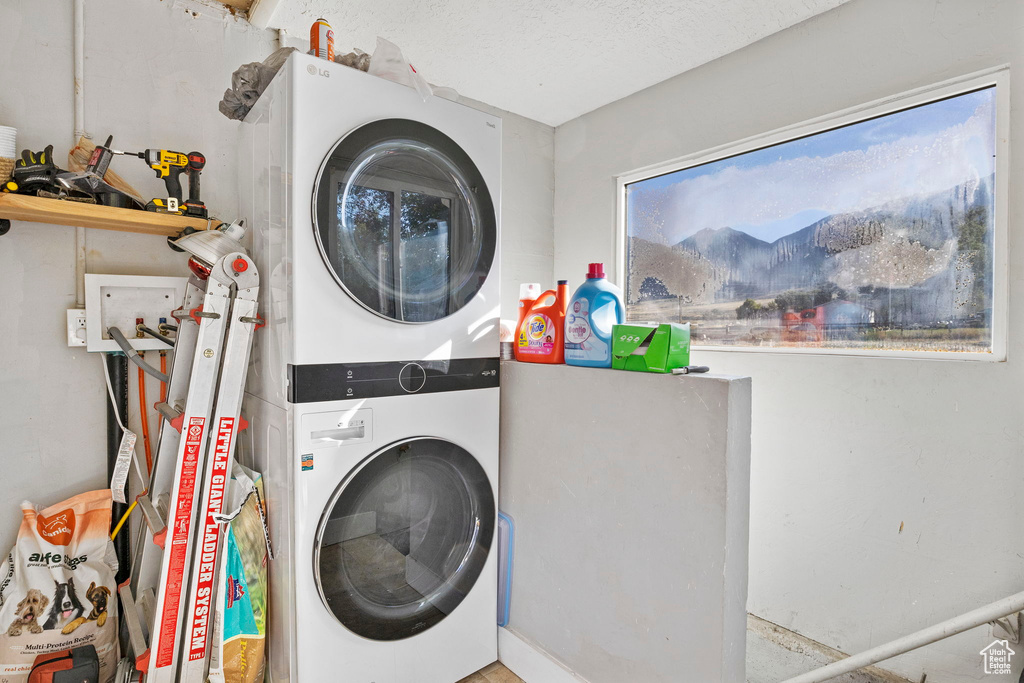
{"points": [[412, 377]]}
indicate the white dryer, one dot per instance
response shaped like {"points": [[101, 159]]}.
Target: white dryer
{"points": [[375, 219], [373, 390], [383, 518]]}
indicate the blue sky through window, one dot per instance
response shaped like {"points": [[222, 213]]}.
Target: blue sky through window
{"points": [[772, 192]]}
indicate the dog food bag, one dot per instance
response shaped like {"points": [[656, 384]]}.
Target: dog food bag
{"points": [[241, 617], [57, 586]]}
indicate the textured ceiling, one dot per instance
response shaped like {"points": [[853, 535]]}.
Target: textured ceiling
{"points": [[550, 60]]}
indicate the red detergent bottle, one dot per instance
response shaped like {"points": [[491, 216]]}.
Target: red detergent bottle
{"points": [[541, 336], [528, 293]]}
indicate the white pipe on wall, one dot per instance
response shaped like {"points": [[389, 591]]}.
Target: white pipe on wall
{"points": [[951, 627], [79, 69], [79, 45]]}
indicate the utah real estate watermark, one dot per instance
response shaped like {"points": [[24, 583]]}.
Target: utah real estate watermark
{"points": [[997, 657]]}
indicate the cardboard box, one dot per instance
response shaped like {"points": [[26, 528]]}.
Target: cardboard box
{"points": [[650, 347]]}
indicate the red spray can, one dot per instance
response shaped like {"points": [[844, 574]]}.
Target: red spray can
{"points": [[321, 40]]}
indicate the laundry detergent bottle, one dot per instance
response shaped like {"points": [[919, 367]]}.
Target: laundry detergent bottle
{"points": [[540, 338], [528, 293], [593, 309]]}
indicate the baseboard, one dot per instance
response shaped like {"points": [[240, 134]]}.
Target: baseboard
{"points": [[529, 662], [820, 653]]}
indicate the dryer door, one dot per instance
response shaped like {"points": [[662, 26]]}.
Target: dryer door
{"points": [[404, 539], [404, 221]]}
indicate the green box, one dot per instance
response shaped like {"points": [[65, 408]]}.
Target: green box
{"points": [[650, 347]]}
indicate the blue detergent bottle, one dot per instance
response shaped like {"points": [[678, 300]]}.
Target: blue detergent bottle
{"points": [[593, 309]]}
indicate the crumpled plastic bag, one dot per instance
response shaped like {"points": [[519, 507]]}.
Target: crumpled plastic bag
{"points": [[387, 62], [357, 59], [249, 81], [445, 92]]}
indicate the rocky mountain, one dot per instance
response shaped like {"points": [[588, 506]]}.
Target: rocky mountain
{"points": [[921, 227]]}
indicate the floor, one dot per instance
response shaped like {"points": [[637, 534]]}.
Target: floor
{"points": [[775, 654], [493, 673]]}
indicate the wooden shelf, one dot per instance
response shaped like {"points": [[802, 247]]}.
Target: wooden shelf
{"points": [[17, 207]]}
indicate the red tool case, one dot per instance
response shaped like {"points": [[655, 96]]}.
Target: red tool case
{"points": [[80, 665]]}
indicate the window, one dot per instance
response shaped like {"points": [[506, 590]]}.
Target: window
{"points": [[874, 232]]}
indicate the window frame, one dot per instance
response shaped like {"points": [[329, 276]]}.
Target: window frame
{"points": [[996, 76]]}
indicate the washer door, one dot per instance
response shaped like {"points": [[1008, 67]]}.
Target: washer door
{"points": [[404, 540], [404, 220]]}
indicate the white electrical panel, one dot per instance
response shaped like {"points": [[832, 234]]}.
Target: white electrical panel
{"points": [[119, 300]]}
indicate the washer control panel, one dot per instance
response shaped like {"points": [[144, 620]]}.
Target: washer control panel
{"points": [[339, 381]]}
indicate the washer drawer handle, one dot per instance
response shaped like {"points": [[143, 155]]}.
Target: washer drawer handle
{"points": [[340, 434]]}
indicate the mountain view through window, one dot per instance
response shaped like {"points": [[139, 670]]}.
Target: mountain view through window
{"points": [[875, 236]]}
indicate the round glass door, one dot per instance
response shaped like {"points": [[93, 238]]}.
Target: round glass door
{"points": [[404, 540], [404, 220]]}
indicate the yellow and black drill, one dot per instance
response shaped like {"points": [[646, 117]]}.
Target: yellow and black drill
{"points": [[169, 166]]}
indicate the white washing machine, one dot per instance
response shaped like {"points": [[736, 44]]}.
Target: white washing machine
{"points": [[375, 219], [383, 525], [373, 390]]}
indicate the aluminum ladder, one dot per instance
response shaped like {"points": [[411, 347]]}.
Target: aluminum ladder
{"points": [[170, 600]]}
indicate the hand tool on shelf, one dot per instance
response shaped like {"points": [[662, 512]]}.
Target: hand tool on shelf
{"points": [[194, 206], [690, 369], [91, 182], [169, 165]]}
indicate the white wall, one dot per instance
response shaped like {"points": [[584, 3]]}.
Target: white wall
{"points": [[932, 445], [630, 557], [527, 204], [153, 76]]}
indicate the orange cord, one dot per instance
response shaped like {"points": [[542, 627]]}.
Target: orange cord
{"points": [[163, 369], [145, 419]]}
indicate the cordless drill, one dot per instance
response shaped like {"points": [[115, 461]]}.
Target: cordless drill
{"points": [[169, 166]]}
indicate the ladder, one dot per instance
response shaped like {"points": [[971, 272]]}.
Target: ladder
{"points": [[169, 602]]}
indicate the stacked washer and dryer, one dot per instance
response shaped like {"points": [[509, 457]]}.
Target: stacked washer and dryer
{"points": [[373, 389]]}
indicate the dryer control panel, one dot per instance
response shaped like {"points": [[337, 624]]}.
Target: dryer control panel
{"points": [[339, 381]]}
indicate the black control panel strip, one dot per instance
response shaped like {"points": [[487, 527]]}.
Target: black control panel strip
{"points": [[339, 381]]}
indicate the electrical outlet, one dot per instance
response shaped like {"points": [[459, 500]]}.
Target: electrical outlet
{"points": [[76, 327]]}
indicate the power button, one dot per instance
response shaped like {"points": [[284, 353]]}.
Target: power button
{"points": [[412, 377]]}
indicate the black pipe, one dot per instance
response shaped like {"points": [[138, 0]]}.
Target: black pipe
{"points": [[117, 365], [155, 335]]}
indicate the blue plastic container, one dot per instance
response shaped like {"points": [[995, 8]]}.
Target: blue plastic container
{"points": [[506, 553], [594, 308]]}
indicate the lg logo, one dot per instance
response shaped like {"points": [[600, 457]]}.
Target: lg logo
{"points": [[313, 71]]}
